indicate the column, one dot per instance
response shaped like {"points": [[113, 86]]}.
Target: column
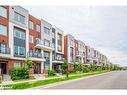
{"points": [[51, 60], [42, 67]]}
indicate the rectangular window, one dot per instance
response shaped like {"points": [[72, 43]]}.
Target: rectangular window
{"points": [[53, 34], [31, 39], [17, 65], [2, 48], [47, 30], [19, 18], [3, 30], [38, 28], [19, 51], [3, 12], [31, 25], [59, 38], [46, 42], [18, 33]]}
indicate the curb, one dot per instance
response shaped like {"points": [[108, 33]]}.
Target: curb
{"points": [[67, 81]]}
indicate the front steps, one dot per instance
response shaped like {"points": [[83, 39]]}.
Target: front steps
{"points": [[7, 79], [38, 76]]}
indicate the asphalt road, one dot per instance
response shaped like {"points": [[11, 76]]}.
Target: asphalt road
{"points": [[113, 80]]}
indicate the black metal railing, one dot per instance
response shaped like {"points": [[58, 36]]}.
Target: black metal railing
{"points": [[35, 54]]}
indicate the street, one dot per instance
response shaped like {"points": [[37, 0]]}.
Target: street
{"points": [[112, 80]]}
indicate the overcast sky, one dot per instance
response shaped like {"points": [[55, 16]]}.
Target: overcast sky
{"points": [[103, 27]]}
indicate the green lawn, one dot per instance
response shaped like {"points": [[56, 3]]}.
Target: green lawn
{"points": [[26, 85]]}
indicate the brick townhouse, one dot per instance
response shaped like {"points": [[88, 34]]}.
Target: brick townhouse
{"points": [[23, 35]]}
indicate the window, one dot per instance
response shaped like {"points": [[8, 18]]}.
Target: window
{"points": [[31, 39], [71, 54], [31, 25], [17, 65], [38, 28], [2, 48], [59, 42], [46, 42], [53, 34], [47, 30], [18, 33], [19, 18], [3, 30], [71, 42], [3, 12], [19, 51]]}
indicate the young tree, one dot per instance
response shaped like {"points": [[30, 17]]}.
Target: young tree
{"points": [[64, 67], [28, 63]]}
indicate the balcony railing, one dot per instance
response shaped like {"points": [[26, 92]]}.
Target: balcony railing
{"points": [[57, 59], [79, 53], [5, 50], [35, 54], [41, 42]]}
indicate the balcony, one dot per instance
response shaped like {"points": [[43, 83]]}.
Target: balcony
{"points": [[57, 59], [80, 54], [36, 56], [40, 45]]}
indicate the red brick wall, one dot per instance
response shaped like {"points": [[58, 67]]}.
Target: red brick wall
{"points": [[10, 64], [33, 32], [65, 48], [5, 21]]}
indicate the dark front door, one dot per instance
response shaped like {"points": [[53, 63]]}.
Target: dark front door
{"points": [[37, 69], [3, 68]]}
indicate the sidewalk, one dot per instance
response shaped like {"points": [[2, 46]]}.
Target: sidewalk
{"points": [[12, 82]]}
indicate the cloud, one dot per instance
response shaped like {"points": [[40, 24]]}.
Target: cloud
{"points": [[102, 27]]}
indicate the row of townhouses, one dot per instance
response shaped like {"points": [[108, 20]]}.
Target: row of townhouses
{"points": [[22, 35]]}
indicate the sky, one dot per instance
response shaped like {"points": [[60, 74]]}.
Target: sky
{"points": [[101, 27]]}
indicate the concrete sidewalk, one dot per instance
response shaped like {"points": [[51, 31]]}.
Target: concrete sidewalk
{"points": [[68, 81], [12, 82]]}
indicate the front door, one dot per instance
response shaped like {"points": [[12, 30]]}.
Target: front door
{"points": [[37, 68], [3, 68]]}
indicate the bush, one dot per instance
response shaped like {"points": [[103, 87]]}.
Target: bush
{"points": [[72, 71], [0, 79], [51, 73], [86, 70], [19, 73]]}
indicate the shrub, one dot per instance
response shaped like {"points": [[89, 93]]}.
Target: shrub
{"points": [[0, 79], [72, 71], [51, 73], [19, 73], [86, 70]]}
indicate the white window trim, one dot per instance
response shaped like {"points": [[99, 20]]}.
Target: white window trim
{"points": [[4, 31], [5, 15]]}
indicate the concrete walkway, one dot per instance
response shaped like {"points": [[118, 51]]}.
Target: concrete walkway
{"points": [[34, 80]]}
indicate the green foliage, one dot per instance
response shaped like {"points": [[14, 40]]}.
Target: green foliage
{"points": [[64, 68], [19, 73], [28, 63], [92, 67], [86, 70], [49, 81], [51, 73]]}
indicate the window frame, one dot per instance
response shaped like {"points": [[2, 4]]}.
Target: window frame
{"points": [[5, 28], [31, 25], [31, 39], [5, 10]]}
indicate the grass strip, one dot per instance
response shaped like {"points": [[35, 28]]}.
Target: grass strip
{"points": [[26, 85]]}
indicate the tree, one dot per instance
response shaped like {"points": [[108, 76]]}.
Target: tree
{"points": [[64, 68], [28, 63], [75, 66]]}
